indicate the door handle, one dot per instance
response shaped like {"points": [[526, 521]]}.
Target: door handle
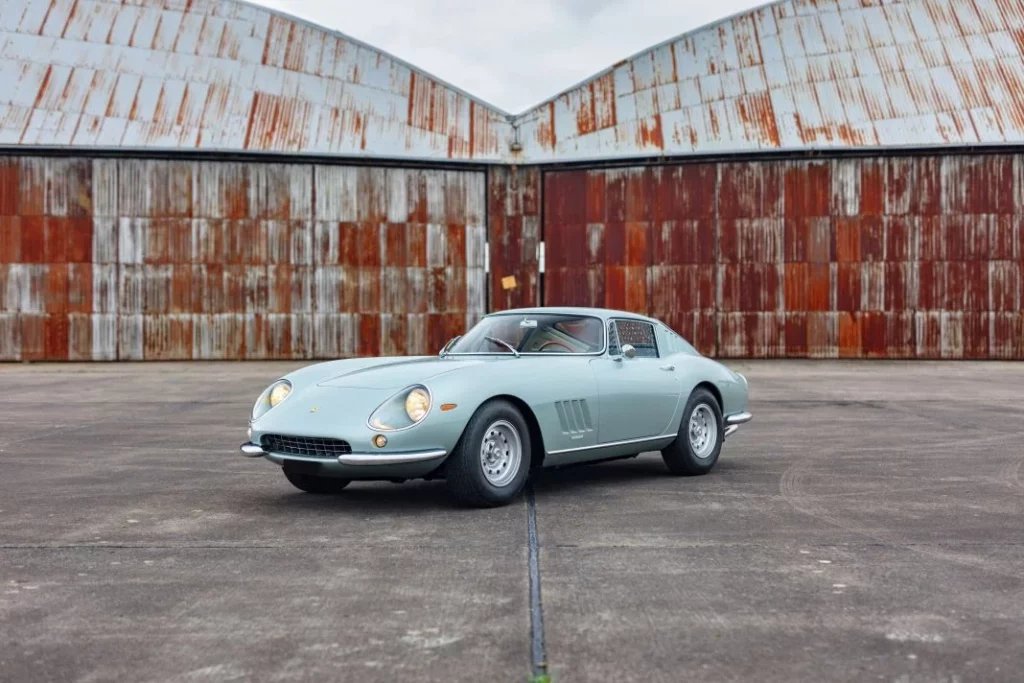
{"points": [[668, 368]]}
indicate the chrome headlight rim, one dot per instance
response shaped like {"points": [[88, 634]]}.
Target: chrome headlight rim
{"points": [[399, 398], [263, 405], [421, 396]]}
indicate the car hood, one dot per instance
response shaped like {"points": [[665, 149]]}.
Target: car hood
{"points": [[397, 374]]}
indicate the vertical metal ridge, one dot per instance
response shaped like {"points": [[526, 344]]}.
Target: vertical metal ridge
{"points": [[586, 415], [560, 409], [578, 414], [570, 417]]}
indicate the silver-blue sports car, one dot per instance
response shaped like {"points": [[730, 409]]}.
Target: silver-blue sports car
{"points": [[522, 390]]}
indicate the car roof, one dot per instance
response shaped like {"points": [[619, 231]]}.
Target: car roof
{"points": [[603, 313]]}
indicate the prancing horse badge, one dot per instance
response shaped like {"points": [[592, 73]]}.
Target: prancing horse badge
{"points": [[314, 409]]}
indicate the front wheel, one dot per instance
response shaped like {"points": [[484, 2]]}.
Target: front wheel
{"points": [[701, 433], [491, 462], [313, 484]]}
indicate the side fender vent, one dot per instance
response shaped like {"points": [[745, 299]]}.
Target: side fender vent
{"points": [[574, 417]]}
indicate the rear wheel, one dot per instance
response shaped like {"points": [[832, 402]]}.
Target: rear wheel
{"points": [[701, 433], [491, 462], [313, 484]]}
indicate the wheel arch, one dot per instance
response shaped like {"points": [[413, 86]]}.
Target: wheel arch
{"points": [[537, 451], [710, 386], [680, 416]]}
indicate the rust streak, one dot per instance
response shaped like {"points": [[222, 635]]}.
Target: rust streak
{"points": [[412, 96], [472, 129], [156, 33], [71, 17], [252, 119], [267, 40], [46, 17], [430, 107], [713, 120], [158, 115], [43, 87]]}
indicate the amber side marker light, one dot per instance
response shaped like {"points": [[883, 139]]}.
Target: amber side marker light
{"points": [[448, 406]]}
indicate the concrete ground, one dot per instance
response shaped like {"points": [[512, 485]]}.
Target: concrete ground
{"points": [[866, 526]]}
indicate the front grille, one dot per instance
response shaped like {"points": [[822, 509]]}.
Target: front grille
{"points": [[307, 446]]}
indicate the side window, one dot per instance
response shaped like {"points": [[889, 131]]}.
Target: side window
{"points": [[640, 335]]}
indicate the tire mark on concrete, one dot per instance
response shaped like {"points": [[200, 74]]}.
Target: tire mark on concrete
{"points": [[1010, 474], [538, 648]]}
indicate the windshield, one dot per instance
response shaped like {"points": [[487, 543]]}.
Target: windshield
{"points": [[533, 333]]}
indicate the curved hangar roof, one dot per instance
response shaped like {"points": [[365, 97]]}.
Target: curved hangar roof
{"points": [[803, 74], [224, 75]]}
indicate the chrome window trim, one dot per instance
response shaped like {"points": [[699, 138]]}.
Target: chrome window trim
{"points": [[604, 338]]}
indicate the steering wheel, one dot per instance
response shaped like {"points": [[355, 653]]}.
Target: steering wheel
{"points": [[555, 343]]}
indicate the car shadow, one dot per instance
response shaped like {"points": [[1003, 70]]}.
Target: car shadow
{"points": [[648, 467], [370, 497], [417, 496]]}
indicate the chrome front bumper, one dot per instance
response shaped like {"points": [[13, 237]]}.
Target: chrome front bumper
{"points": [[733, 422], [254, 451]]}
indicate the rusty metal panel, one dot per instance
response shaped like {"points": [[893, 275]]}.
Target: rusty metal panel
{"points": [[847, 258], [514, 230], [168, 260], [224, 76], [390, 246], [46, 246]]}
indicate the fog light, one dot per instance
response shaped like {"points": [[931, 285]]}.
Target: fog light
{"points": [[380, 441]]}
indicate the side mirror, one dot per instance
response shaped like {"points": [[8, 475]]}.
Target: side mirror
{"points": [[628, 351]]}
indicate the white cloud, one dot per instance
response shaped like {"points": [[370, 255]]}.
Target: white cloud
{"points": [[512, 54]]}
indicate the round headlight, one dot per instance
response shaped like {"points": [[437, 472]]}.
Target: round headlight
{"points": [[279, 393], [417, 403]]}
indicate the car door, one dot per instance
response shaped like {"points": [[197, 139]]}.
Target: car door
{"points": [[638, 396]]}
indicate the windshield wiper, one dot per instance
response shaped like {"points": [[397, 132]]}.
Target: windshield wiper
{"points": [[503, 343]]}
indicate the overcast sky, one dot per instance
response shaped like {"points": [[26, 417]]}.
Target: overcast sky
{"points": [[517, 53]]}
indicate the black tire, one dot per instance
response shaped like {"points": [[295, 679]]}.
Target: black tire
{"points": [[465, 475], [680, 456], [313, 484]]}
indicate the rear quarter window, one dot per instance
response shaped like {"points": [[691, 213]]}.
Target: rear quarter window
{"points": [[640, 335], [675, 344]]}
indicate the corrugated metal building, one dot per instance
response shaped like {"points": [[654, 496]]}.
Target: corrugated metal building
{"points": [[211, 179]]}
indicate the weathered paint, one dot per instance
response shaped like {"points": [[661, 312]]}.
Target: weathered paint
{"points": [[220, 75], [901, 257], [801, 74], [514, 236], [154, 260]]}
